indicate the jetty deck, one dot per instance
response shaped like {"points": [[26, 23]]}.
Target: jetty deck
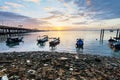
{"points": [[14, 30]]}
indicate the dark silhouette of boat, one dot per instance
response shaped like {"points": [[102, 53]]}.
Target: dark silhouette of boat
{"points": [[111, 30], [79, 43], [42, 39], [13, 40], [111, 42], [41, 45], [116, 46], [13, 44], [54, 42], [114, 43]]}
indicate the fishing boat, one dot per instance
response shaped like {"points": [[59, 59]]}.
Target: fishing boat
{"points": [[54, 42], [11, 45], [13, 39], [114, 43], [112, 40], [111, 30], [116, 46], [79, 43], [42, 39]]}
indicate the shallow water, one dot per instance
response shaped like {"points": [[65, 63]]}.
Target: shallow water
{"points": [[92, 44]]}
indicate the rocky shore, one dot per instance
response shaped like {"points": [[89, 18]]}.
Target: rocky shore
{"points": [[58, 66]]}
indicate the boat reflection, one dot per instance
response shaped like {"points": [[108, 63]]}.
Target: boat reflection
{"points": [[79, 50], [53, 48], [116, 54], [11, 45], [41, 45], [54, 42]]}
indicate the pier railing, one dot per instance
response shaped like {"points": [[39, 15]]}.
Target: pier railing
{"points": [[14, 30]]}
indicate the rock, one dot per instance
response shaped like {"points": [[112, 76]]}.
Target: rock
{"points": [[82, 78], [97, 59], [45, 64], [28, 61], [114, 65], [31, 72], [4, 77], [71, 69], [58, 79], [76, 57]]}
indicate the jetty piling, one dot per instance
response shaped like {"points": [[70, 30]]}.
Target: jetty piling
{"points": [[102, 35], [103, 30]]}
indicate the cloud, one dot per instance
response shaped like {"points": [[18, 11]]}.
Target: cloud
{"points": [[15, 5], [64, 20], [4, 8], [48, 8], [10, 15], [80, 23], [96, 9], [51, 17], [34, 1], [54, 15], [88, 2], [43, 22], [16, 19], [66, 1], [56, 12]]}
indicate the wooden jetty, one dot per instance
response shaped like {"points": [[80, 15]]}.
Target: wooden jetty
{"points": [[103, 30], [14, 30]]}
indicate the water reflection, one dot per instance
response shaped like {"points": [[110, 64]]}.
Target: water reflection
{"points": [[41, 45], [53, 48], [67, 43], [116, 54], [79, 50], [12, 45]]}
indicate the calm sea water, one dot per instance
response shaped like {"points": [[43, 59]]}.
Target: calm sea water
{"points": [[92, 45]]}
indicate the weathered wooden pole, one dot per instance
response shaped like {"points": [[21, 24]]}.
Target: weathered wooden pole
{"points": [[117, 33], [103, 35], [100, 34]]}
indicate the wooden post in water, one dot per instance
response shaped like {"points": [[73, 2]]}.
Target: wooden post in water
{"points": [[117, 33], [119, 36], [101, 34]]}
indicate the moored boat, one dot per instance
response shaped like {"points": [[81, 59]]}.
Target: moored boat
{"points": [[14, 39], [112, 40], [42, 39], [54, 42], [116, 46], [114, 43], [79, 43]]}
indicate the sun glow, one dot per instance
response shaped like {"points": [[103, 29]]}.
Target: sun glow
{"points": [[58, 28]]}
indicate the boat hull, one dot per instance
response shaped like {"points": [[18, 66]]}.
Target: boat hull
{"points": [[116, 46], [79, 43], [42, 40], [54, 43], [13, 40]]}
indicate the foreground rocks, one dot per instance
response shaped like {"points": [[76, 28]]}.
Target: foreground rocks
{"points": [[58, 66]]}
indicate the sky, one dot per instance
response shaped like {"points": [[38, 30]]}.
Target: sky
{"points": [[61, 14]]}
